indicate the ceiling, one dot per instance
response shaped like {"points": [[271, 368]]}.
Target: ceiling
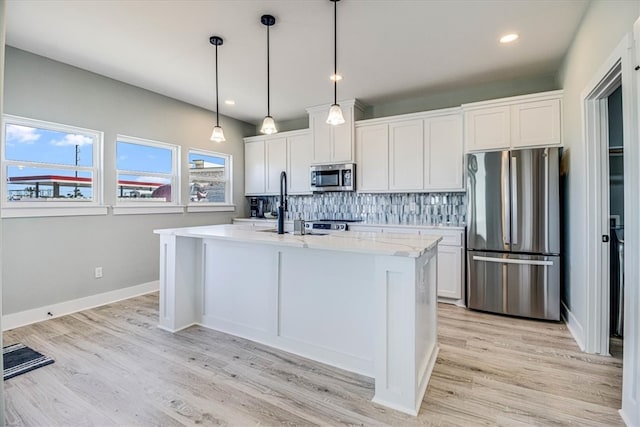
{"points": [[387, 49]]}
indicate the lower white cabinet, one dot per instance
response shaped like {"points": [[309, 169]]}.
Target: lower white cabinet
{"points": [[450, 272]]}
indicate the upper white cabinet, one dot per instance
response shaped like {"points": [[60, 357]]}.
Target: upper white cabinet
{"points": [[267, 156], [276, 162], [414, 152], [254, 167], [372, 158], [299, 154], [521, 121], [443, 153], [333, 144], [406, 158]]}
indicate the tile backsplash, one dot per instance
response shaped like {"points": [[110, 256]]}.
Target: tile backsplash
{"points": [[398, 208]]}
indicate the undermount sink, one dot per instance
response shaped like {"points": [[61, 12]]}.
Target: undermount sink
{"points": [[274, 231]]}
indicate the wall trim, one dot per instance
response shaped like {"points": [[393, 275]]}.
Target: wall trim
{"points": [[27, 317], [574, 327]]}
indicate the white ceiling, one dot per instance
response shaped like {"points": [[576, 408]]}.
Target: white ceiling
{"points": [[387, 50]]}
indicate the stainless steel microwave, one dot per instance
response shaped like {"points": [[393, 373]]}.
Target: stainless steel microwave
{"points": [[340, 177]]}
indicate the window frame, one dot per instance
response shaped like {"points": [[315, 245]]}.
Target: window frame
{"points": [[228, 204], [139, 205], [61, 207]]}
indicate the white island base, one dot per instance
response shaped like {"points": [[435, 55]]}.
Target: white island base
{"points": [[364, 302]]}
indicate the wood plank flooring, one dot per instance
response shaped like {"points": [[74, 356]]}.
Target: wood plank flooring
{"points": [[114, 367]]}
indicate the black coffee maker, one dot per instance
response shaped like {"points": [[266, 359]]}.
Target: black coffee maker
{"points": [[256, 207]]}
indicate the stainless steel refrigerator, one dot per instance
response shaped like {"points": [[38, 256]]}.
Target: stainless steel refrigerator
{"points": [[513, 232]]}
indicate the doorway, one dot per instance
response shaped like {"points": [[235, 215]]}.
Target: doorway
{"points": [[615, 141]]}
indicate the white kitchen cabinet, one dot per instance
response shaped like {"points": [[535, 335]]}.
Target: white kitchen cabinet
{"points": [[406, 155], [372, 158], [450, 272], [333, 144], [488, 128], [267, 156], [413, 152], [254, 167], [299, 155], [521, 121], [535, 123], [276, 162], [443, 153]]}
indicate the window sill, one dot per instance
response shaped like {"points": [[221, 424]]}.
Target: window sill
{"points": [[145, 210], [211, 208], [46, 211]]}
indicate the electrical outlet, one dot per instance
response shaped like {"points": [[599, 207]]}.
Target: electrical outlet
{"points": [[98, 272]]}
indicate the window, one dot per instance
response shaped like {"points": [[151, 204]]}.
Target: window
{"points": [[209, 178], [147, 172], [48, 164]]}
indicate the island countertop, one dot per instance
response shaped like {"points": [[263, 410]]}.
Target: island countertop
{"points": [[390, 244]]}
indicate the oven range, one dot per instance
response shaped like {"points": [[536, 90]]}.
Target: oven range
{"points": [[326, 226]]}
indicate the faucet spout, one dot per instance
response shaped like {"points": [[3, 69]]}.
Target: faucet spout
{"points": [[283, 201]]}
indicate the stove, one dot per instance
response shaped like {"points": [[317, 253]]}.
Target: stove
{"points": [[326, 226]]}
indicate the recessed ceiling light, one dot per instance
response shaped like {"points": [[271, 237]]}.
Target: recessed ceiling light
{"points": [[508, 38], [335, 77], [230, 102]]}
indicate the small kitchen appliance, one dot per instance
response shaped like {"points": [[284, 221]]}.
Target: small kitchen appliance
{"points": [[338, 177]]}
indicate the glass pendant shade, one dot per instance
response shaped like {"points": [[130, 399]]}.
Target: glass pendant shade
{"points": [[335, 115], [268, 126], [217, 135]]}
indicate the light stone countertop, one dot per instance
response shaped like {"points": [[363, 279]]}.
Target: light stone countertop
{"points": [[390, 244]]}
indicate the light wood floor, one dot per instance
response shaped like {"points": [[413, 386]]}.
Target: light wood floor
{"points": [[114, 367]]}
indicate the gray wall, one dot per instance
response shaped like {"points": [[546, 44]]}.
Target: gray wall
{"points": [[453, 97], [51, 260], [602, 28]]}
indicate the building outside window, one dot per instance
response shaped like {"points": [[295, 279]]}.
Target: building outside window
{"points": [[45, 163], [147, 172], [209, 178]]}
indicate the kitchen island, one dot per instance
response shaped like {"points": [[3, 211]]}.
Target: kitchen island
{"points": [[364, 302]]}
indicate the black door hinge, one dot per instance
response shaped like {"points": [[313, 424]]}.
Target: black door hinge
{"points": [[605, 238]]}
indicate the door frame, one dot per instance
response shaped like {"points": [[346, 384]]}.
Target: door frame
{"points": [[616, 70]]}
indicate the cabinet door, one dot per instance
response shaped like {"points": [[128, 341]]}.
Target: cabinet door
{"points": [[254, 168], [487, 128], [443, 153], [406, 155], [450, 272], [342, 139], [321, 136], [300, 154], [276, 161], [535, 123], [372, 152]]}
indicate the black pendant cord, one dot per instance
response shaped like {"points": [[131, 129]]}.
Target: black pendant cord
{"points": [[268, 77], [335, 52], [217, 108]]}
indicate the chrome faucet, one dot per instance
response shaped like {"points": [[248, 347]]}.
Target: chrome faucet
{"points": [[283, 201]]}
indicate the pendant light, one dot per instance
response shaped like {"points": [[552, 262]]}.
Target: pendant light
{"points": [[335, 112], [268, 125], [217, 135]]}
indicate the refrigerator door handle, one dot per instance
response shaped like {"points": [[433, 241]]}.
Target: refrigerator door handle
{"points": [[506, 203], [512, 261], [546, 200], [514, 204]]}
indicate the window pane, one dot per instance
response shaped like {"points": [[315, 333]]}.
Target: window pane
{"points": [[207, 178], [24, 143], [143, 158], [150, 188], [40, 184]]}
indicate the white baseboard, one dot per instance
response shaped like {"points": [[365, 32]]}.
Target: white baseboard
{"points": [[27, 317], [574, 327]]}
